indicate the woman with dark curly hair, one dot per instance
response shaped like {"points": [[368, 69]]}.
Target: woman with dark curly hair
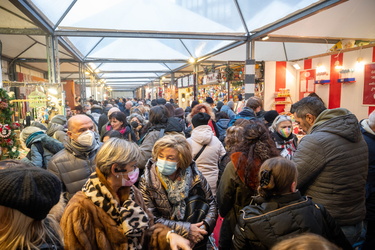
{"points": [[240, 178]]}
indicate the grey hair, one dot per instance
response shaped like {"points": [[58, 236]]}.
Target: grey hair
{"points": [[116, 151], [308, 105], [279, 119]]}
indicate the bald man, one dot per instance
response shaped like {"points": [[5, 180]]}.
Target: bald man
{"points": [[74, 164], [128, 106]]}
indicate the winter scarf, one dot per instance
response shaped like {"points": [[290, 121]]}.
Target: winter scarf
{"points": [[77, 149], [129, 216], [287, 146], [122, 131], [177, 191]]}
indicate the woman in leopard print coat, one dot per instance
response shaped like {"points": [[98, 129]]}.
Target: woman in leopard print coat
{"points": [[109, 212]]}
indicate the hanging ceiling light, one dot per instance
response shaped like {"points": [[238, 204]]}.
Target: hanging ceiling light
{"points": [[191, 60]]}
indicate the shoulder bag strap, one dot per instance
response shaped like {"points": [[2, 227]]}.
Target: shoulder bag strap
{"points": [[161, 133], [199, 153]]}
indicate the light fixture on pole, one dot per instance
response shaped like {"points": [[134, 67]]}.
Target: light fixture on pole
{"points": [[191, 60]]}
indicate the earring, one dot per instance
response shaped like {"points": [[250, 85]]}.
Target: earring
{"points": [[117, 176]]}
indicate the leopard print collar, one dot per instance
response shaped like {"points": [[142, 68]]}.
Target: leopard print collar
{"points": [[130, 216]]}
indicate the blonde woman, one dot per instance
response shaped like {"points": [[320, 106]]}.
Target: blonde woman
{"points": [[170, 178], [109, 212], [27, 196]]}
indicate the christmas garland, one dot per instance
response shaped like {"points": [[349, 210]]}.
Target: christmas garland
{"points": [[8, 145]]}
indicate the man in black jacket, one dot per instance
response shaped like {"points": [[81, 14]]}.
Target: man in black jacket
{"points": [[332, 162], [368, 131]]}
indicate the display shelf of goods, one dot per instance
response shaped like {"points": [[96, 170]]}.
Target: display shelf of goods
{"points": [[8, 137], [282, 93]]}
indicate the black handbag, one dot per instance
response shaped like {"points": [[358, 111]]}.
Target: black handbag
{"points": [[196, 209]]}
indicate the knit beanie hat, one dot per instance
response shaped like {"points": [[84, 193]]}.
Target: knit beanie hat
{"points": [[59, 119], [209, 100], [26, 132], [112, 110], [161, 101], [200, 119], [270, 116], [31, 190], [140, 118], [230, 104], [179, 112], [219, 105]]}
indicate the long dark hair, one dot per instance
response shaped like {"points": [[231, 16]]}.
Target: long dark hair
{"points": [[256, 147], [158, 115], [119, 116]]}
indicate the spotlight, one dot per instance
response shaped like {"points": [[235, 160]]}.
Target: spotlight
{"points": [[265, 38]]}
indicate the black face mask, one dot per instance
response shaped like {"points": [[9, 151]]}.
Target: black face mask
{"points": [[134, 124]]}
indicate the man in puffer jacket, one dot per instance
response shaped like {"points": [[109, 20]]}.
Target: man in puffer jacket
{"points": [[42, 147], [74, 164], [332, 161], [208, 160]]}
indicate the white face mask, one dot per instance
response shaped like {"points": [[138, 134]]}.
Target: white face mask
{"points": [[86, 139]]}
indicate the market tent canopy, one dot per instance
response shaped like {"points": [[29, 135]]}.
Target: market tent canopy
{"points": [[133, 42]]}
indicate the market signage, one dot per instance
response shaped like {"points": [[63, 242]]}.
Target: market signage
{"points": [[191, 80], [185, 81], [369, 85], [210, 78]]}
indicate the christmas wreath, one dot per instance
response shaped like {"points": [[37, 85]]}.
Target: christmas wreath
{"points": [[8, 145]]}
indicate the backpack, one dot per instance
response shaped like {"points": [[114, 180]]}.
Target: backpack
{"points": [[48, 143], [234, 119], [40, 148]]}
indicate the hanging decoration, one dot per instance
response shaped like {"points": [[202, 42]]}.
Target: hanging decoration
{"points": [[8, 145]]}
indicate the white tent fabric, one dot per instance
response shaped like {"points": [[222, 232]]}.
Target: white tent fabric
{"points": [[139, 41]]}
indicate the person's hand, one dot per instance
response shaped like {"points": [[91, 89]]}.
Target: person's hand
{"points": [[196, 233], [178, 242]]}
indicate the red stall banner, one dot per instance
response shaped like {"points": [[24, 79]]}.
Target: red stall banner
{"points": [[369, 85]]}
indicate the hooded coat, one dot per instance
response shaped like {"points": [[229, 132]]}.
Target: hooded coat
{"points": [[247, 113], [228, 110], [208, 161], [50, 147], [332, 162], [369, 136]]}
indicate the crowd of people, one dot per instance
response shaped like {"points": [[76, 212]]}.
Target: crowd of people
{"points": [[142, 174]]}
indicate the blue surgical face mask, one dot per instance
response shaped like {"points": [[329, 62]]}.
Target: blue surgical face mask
{"points": [[166, 167]]}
